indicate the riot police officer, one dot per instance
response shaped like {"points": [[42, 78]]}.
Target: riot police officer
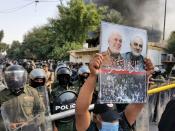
{"points": [[62, 84], [83, 74], [21, 107], [37, 79]]}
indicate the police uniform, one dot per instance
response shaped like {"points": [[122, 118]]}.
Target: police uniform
{"points": [[67, 125], [22, 108]]}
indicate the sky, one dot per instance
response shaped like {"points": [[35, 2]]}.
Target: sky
{"points": [[16, 23]]}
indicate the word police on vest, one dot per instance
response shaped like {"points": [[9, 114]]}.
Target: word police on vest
{"points": [[65, 107]]}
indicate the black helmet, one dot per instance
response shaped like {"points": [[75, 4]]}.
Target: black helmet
{"points": [[63, 69], [15, 78], [63, 75], [37, 74], [65, 101]]}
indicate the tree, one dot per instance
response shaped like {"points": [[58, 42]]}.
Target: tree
{"points": [[75, 21], [1, 35], [14, 52], [62, 53], [171, 44], [37, 43], [3, 46], [170, 49], [113, 16]]}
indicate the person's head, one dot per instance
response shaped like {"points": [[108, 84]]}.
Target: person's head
{"points": [[37, 77], [136, 45], [115, 42], [83, 73], [106, 117], [63, 74], [15, 79], [45, 67]]}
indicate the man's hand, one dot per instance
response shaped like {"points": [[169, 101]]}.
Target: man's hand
{"points": [[148, 67], [95, 63]]}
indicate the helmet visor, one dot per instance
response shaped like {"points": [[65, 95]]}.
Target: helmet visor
{"points": [[15, 79]]}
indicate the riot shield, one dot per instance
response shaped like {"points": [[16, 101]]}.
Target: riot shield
{"points": [[65, 101], [43, 94], [19, 116]]}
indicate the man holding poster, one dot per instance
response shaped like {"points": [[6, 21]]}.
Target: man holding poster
{"points": [[105, 116]]}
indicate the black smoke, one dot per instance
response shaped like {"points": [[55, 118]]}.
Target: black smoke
{"points": [[147, 14]]}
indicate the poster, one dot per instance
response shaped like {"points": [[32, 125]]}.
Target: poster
{"points": [[122, 77]]}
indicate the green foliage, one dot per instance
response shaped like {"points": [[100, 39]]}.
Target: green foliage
{"points": [[171, 44], [61, 53], [171, 50], [36, 43], [1, 35], [66, 32], [14, 52], [3, 46], [114, 16], [75, 21]]}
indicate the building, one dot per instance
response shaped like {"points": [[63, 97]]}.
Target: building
{"points": [[155, 52], [82, 55]]}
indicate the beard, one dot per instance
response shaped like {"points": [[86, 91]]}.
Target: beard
{"points": [[135, 53]]}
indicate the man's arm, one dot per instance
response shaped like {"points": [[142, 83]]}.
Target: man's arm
{"points": [[133, 110], [85, 96]]}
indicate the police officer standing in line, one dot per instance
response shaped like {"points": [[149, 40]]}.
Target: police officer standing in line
{"points": [[83, 73], [62, 84], [21, 107], [37, 79]]}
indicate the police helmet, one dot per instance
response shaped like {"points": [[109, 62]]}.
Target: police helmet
{"points": [[83, 69], [63, 69], [15, 78], [63, 102], [37, 74]]}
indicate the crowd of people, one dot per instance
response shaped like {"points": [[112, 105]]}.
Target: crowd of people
{"points": [[32, 91]]}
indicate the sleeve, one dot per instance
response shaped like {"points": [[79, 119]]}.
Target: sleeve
{"points": [[124, 124], [92, 127]]}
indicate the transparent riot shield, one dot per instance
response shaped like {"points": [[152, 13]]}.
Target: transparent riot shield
{"points": [[18, 115], [43, 94], [2, 85]]}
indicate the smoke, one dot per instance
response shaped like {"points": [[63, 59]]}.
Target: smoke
{"points": [[148, 14]]}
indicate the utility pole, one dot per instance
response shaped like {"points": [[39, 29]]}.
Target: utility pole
{"points": [[164, 20]]}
